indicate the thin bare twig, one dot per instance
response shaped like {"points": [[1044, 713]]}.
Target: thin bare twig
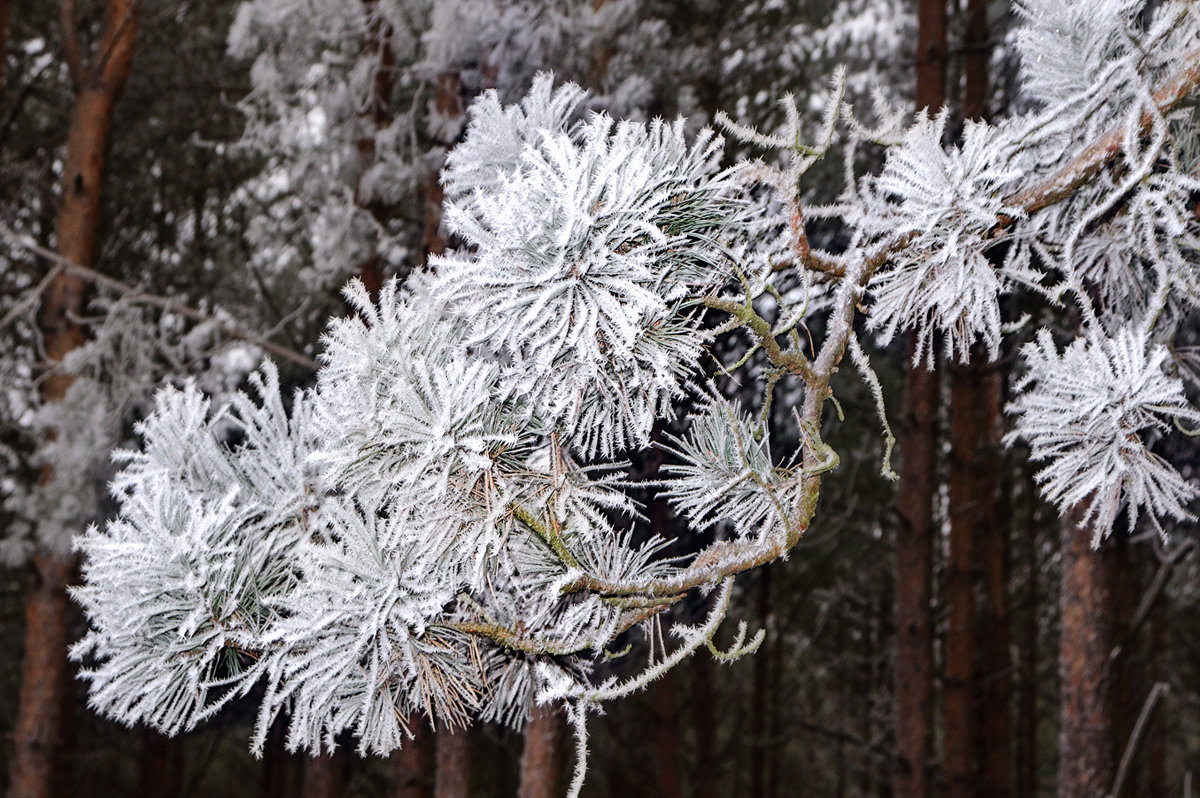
{"points": [[32, 299], [1135, 738], [164, 303]]}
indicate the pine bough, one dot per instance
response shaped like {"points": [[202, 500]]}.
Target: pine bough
{"points": [[441, 525]]}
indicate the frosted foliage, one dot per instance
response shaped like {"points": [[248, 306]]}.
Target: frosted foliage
{"points": [[497, 135], [1066, 46], [727, 476], [947, 200], [582, 260], [1087, 412], [444, 524], [180, 585]]}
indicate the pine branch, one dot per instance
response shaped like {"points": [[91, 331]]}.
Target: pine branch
{"points": [[64, 266], [1085, 166]]}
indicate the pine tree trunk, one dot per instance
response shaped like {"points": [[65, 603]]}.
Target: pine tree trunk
{"points": [[40, 705], [666, 737], [1130, 686], [160, 771], [4, 13], [453, 764], [1027, 717], [327, 775], [976, 757], [1085, 766], [758, 698], [918, 487], [975, 411], [704, 724], [374, 116], [39, 710], [541, 757], [1157, 768], [914, 581], [413, 765]]}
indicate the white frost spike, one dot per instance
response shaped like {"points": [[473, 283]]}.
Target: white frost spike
{"points": [[491, 150], [948, 201], [1086, 412]]}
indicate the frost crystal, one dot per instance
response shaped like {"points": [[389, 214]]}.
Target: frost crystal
{"points": [[947, 201], [1088, 411]]}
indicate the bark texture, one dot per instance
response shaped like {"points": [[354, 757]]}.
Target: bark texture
{"points": [[412, 765], [39, 710], [977, 756], [1085, 767], [160, 773], [453, 764], [43, 668], [918, 486], [327, 775], [542, 755]]}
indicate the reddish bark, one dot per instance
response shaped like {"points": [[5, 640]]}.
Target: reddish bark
{"points": [[413, 765], [39, 711], [453, 764], [918, 487], [914, 580], [448, 101], [160, 769], [374, 117], [541, 757], [1027, 714], [666, 738], [973, 481], [40, 704], [327, 775], [1085, 766], [975, 61]]}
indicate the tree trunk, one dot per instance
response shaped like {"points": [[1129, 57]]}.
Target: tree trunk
{"points": [[160, 773], [704, 724], [1027, 723], [413, 765], [453, 764], [918, 487], [1085, 766], [1130, 685], [914, 580], [40, 705], [3, 42], [760, 744], [39, 715], [541, 757], [327, 775], [276, 763], [975, 61], [374, 116], [666, 737]]}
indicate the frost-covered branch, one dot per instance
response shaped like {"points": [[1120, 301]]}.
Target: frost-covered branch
{"points": [[457, 530], [167, 304]]}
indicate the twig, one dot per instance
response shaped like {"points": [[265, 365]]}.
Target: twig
{"points": [[1151, 595], [65, 266], [1135, 737], [1088, 163], [32, 299]]}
